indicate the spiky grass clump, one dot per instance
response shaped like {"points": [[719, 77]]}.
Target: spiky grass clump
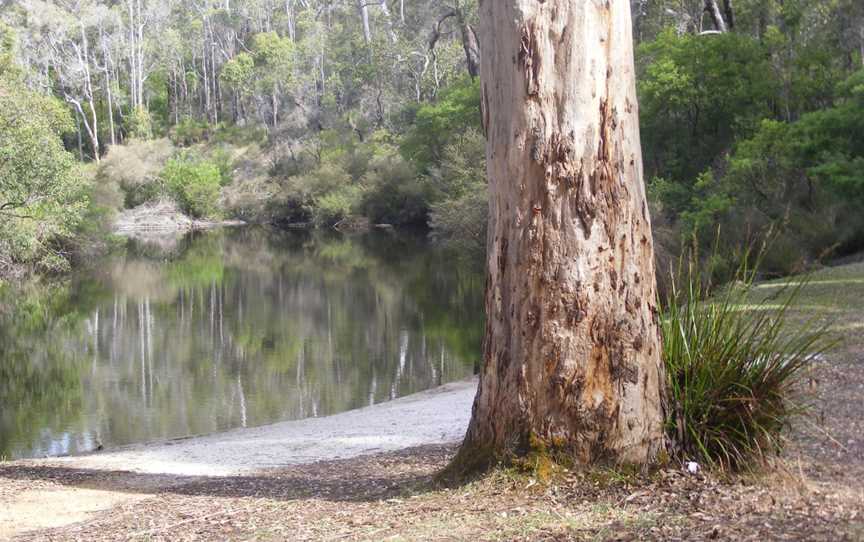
{"points": [[732, 364]]}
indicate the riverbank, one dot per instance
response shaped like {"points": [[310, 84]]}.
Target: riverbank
{"points": [[437, 416], [162, 218], [117, 477]]}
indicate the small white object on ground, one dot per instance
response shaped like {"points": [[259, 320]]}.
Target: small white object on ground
{"points": [[692, 467]]}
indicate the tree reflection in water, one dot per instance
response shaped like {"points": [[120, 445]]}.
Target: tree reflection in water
{"points": [[230, 329]]}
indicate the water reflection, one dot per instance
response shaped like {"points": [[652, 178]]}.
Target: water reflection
{"points": [[230, 329]]}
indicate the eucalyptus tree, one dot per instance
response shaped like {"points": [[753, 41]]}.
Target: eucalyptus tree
{"points": [[572, 347], [274, 68], [64, 37]]}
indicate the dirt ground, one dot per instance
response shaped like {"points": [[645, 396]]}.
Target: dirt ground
{"points": [[815, 491]]}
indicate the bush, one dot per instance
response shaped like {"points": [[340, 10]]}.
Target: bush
{"points": [[395, 194], [190, 131], [732, 364], [222, 159], [456, 110], [135, 167], [233, 134], [298, 196], [333, 207], [195, 185], [460, 210], [462, 222], [139, 125]]}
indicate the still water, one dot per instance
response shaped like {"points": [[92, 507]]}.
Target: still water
{"points": [[228, 329]]}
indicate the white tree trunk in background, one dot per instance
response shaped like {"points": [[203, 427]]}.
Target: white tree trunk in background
{"points": [[363, 8]]}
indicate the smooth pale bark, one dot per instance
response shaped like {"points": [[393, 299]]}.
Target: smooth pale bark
{"points": [[572, 345], [716, 16], [363, 9], [388, 19]]}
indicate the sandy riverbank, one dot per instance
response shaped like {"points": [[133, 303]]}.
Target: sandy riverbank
{"points": [[435, 416]]}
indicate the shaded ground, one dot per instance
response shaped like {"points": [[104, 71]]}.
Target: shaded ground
{"points": [[816, 491]]}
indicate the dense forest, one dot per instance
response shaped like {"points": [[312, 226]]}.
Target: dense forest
{"points": [[353, 112]]}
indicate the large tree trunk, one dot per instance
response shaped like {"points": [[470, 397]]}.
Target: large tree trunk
{"points": [[572, 347]]}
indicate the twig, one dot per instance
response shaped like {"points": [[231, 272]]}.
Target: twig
{"points": [[827, 434]]}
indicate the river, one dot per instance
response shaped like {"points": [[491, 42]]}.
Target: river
{"points": [[230, 328]]}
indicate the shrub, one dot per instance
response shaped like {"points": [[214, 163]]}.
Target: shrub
{"points": [[460, 210], [456, 110], [395, 193], [297, 197], [139, 125], [732, 363], [194, 184], [234, 134], [135, 167], [337, 205], [190, 131], [222, 159], [462, 222]]}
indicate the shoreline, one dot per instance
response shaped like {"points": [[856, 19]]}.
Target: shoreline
{"points": [[162, 218], [436, 416]]}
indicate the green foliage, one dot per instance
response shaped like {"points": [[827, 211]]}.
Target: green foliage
{"points": [[195, 185], [139, 124], [460, 208], [697, 95], [222, 159], [749, 133], [806, 176], [699, 207], [336, 205], [42, 192], [296, 200], [732, 364], [395, 194], [273, 56], [456, 110], [352, 177], [237, 73], [135, 169], [239, 135], [190, 131], [462, 221], [8, 45]]}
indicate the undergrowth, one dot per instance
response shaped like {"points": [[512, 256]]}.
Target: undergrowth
{"points": [[732, 365]]}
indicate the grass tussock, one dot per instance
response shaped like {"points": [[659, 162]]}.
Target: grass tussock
{"points": [[733, 360]]}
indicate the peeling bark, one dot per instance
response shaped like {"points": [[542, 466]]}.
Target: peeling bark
{"points": [[572, 344]]}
